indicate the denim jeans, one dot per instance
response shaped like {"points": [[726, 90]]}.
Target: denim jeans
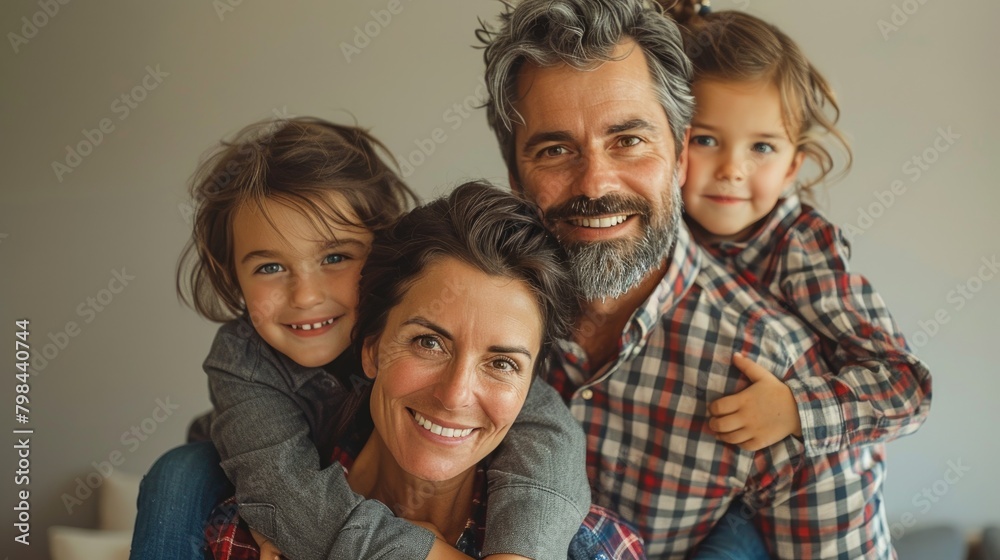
{"points": [[734, 537], [175, 499]]}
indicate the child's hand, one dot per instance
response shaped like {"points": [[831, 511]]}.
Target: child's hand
{"points": [[758, 416], [267, 549]]}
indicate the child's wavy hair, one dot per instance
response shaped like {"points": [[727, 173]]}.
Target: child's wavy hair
{"points": [[736, 46], [299, 162]]}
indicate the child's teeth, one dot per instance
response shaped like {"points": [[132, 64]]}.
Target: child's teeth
{"points": [[438, 430], [309, 327]]}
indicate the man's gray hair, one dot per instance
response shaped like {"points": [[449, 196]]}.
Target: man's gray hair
{"points": [[582, 34]]}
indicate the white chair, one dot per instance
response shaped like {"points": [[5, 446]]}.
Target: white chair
{"points": [[116, 518]]}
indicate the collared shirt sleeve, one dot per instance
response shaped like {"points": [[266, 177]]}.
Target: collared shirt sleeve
{"points": [[538, 488], [263, 438], [878, 390]]}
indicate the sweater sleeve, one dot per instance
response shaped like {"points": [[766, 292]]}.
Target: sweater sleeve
{"points": [[264, 441], [877, 389], [538, 488]]}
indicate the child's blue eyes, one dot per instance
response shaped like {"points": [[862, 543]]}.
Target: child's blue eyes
{"points": [[710, 142], [274, 268], [269, 268]]}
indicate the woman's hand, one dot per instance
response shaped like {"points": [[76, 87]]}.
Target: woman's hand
{"points": [[267, 549]]}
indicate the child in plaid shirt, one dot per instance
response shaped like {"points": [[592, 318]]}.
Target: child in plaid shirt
{"points": [[761, 111]]}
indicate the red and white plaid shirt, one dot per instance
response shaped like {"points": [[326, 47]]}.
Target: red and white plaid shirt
{"points": [[880, 390], [651, 456]]}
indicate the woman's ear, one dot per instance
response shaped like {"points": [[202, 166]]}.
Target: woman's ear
{"points": [[369, 357]]}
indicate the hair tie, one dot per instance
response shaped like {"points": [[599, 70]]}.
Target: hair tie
{"points": [[703, 7]]}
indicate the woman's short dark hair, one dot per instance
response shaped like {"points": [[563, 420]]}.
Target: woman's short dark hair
{"points": [[489, 229]]}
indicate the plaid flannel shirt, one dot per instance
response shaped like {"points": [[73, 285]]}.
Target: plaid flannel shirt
{"points": [[651, 456], [878, 390]]}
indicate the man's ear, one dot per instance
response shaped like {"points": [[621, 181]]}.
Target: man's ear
{"points": [[369, 357], [682, 158], [793, 168]]}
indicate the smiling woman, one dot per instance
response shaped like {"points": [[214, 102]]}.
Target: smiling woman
{"points": [[460, 303], [449, 384]]}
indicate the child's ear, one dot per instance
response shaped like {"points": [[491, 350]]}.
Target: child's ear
{"points": [[369, 357], [793, 168], [682, 158]]}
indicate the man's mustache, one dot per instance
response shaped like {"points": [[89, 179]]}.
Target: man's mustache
{"points": [[581, 206]]}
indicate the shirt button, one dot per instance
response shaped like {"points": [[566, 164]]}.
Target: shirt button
{"points": [[586, 394]]}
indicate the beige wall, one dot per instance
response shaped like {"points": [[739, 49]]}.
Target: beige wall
{"points": [[121, 209]]}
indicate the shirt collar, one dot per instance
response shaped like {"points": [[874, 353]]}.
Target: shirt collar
{"points": [[683, 263], [750, 251]]}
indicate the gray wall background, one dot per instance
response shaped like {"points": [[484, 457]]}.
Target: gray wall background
{"points": [[229, 62]]}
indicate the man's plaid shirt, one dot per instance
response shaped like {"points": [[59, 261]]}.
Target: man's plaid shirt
{"points": [[651, 456]]}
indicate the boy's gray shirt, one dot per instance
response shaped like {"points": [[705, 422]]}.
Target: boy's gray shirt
{"points": [[268, 423]]}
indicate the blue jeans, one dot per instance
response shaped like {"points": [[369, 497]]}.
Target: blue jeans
{"points": [[734, 537], [175, 499]]}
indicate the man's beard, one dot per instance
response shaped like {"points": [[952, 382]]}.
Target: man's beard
{"points": [[609, 269]]}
